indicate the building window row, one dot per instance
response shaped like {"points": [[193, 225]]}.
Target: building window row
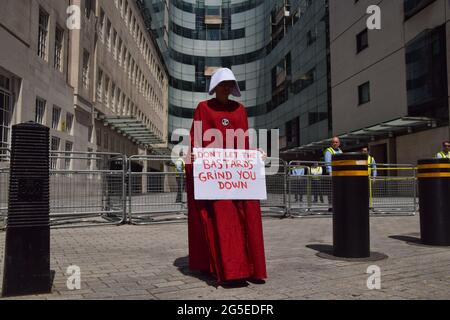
{"points": [[58, 123], [57, 158], [207, 34], [227, 61], [6, 106], [109, 36], [113, 98], [43, 42], [234, 8]]}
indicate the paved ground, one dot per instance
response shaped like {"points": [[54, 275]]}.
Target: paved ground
{"points": [[150, 262]]}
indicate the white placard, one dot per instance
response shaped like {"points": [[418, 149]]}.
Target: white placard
{"points": [[229, 174]]}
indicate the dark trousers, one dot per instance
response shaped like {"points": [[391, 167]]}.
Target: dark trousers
{"points": [[299, 186], [180, 188], [316, 189]]}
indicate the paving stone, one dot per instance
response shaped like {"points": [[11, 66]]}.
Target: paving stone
{"points": [[150, 262]]}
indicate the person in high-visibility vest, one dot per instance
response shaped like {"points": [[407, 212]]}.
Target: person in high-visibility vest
{"points": [[372, 168], [372, 165], [445, 153], [331, 151], [299, 184], [328, 156], [316, 172], [180, 167]]}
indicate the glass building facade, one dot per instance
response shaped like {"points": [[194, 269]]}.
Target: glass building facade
{"points": [[278, 51]]}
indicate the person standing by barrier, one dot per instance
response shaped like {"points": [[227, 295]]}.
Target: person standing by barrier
{"points": [[330, 152], [225, 236], [299, 185], [316, 172], [445, 153], [328, 156], [372, 169], [370, 162], [180, 167]]}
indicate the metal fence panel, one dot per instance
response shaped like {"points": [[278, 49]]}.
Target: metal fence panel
{"points": [[309, 191], [276, 186], [4, 184], [393, 191], [93, 195], [157, 195]]}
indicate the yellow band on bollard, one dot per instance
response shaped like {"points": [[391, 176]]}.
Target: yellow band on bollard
{"points": [[349, 163], [352, 173], [434, 175], [434, 166]]}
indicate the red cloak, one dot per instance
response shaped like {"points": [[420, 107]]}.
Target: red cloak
{"points": [[225, 236]]}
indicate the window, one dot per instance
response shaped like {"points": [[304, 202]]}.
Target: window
{"points": [[411, 7], [119, 52], [88, 8], [54, 147], [311, 37], [293, 132], [56, 116], [98, 135], [362, 40], [106, 92], [59, 40], [426, 74], [69, 123], [304, 81], [115, 44], [99, 85], [105, 140], [108, 35], [43, 34], [125, 11], [101, 29], [85, 75], [5, 112], [67, 156], [364, 93], [40, 111]]}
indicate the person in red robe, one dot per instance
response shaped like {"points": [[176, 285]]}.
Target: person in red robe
{"points": [[225, 236]]}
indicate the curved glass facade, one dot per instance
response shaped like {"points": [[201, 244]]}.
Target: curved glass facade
{"points": [[277, 50]]}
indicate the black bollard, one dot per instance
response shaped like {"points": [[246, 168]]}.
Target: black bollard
{"points": [[434, 201], [351, 231], [27, 247]]}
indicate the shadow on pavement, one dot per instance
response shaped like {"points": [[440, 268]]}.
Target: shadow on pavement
{"points": [[183, 266], [321, 248], [407, 238]]}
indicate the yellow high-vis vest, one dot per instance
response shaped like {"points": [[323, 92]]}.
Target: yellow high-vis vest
{"points": [[443, 155], [370, 161]]}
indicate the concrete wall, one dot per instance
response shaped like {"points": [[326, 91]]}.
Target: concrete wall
{"points": [[422, 145], [382, 64]]}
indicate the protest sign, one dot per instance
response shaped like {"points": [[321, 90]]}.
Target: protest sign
{"points": [[229, 174]]}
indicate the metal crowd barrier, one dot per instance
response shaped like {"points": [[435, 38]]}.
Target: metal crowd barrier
{"points": [[5, 157], [87, 189], [309, 188], [153, 189], [276, 185], [392, 191]]}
